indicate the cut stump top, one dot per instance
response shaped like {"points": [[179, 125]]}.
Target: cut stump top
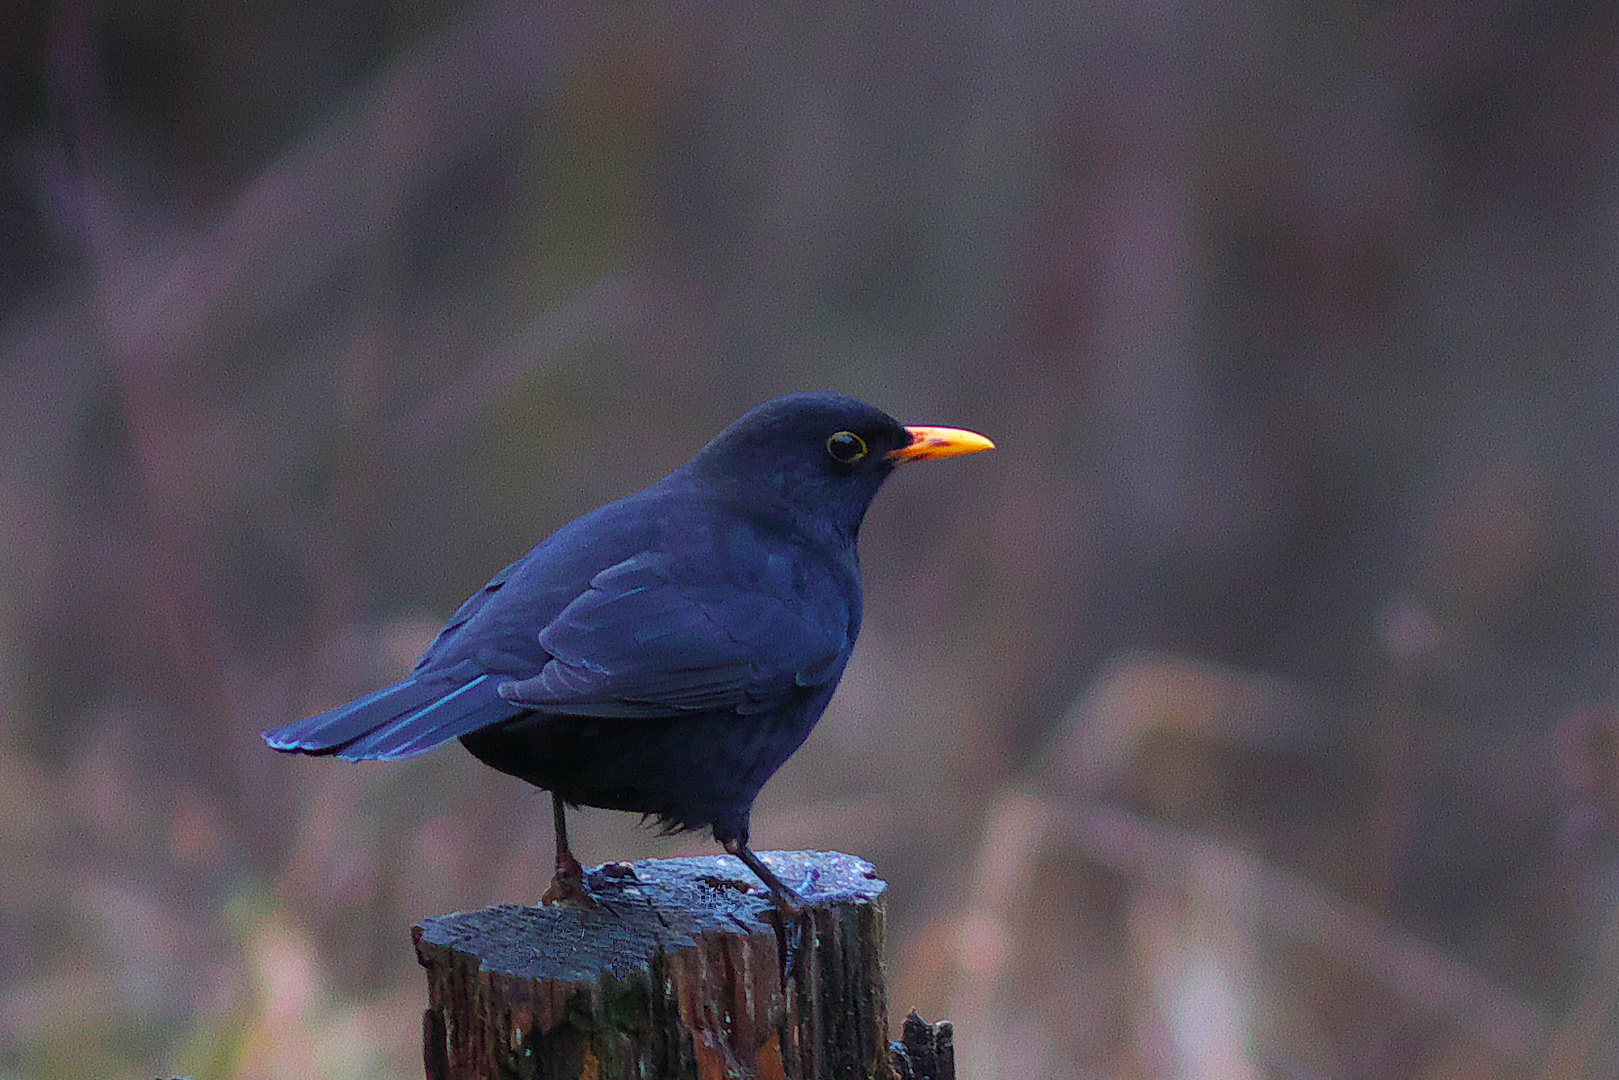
{"points": [[652, 906], [686, 971]]}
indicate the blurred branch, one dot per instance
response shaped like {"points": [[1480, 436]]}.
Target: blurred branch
{"points": [[1298, 908], [161, 300], [159, 307], [601, 308], [1023, 825], [315, 206], [1577, 1048]]}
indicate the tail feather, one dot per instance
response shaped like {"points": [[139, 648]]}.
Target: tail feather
{"points": [[469, 708], [408, 718]]}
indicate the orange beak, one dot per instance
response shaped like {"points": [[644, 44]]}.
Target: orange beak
{"points": [[939, 442]]}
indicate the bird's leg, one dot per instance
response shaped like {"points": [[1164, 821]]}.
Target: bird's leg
{"points": [[790, 903], [568, 884], [567, 865]]}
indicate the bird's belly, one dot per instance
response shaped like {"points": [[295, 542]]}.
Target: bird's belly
{"points": [[690, 771]]}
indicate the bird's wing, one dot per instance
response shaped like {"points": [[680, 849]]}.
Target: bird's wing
{"points": [[651, 638], [498, 626], [470, 607]]}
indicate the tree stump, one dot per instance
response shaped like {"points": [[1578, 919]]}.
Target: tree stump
{"points": [[686, 972]]}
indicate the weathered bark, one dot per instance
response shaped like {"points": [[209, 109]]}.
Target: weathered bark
{"points": [[686, 972], [925, 1051]]}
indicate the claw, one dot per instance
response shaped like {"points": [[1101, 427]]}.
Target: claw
{"points": [[570, 890]]}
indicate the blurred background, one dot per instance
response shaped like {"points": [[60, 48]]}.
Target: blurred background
{"points": [[1247, 714]]}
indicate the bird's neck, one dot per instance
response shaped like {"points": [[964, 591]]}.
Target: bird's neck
{"points": [[804, 514], [818, 531]]}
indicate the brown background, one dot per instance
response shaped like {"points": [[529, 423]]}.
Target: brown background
{"points": [[1246, 714]]}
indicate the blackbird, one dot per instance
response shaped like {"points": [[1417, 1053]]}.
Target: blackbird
{"points": [[665, 653]]}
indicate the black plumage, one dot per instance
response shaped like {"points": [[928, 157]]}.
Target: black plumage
{"points": [[665, 653]]}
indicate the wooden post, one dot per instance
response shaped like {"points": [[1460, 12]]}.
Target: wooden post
{"points": [[686, 972]]}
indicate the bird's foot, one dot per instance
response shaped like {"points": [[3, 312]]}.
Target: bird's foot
{"points": [[568, 885], [787, 901], [570, 892], [792, 921]]}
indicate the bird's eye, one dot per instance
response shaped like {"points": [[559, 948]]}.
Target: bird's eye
{"points": [[846, 447]]}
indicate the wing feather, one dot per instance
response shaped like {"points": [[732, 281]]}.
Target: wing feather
{"points": [[646, 639]]}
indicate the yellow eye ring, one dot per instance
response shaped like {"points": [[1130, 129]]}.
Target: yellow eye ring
{"points": [[845, 447]]}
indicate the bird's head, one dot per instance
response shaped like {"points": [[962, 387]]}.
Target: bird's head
{"points": [[819, 457]]}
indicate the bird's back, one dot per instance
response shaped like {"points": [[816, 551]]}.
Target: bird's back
{"points": [[670, 645]]}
